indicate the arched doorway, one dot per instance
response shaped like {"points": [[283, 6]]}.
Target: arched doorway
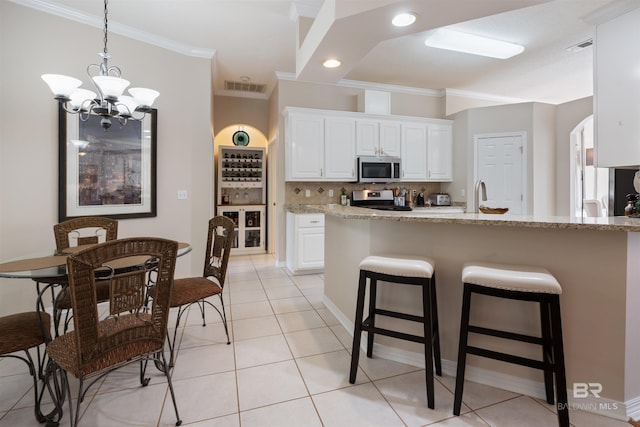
{"points": [[589, 184]]}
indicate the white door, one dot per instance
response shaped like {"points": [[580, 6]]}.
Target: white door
{"points": [[500, 163]]}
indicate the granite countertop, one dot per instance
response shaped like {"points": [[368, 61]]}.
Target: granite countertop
{"points": [[617, 223]]}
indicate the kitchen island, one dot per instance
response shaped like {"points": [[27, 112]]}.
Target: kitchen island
{"points": [[596, 261]]}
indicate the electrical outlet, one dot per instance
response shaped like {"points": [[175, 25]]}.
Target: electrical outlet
{"points": [[463, 192], [331, 192], [182, 194], [307, 193]]}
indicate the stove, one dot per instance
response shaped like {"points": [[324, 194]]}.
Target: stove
{"points": [[376, 199]]}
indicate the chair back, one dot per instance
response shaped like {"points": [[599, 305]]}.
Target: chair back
{"points": [[593, 208], [105, 229], [124, 264], [219, 242]]}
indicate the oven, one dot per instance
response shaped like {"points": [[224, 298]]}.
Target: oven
{"points": [[378, 169]]}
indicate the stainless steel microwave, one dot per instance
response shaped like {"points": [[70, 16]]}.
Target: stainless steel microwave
{"points": [[378, 169]]}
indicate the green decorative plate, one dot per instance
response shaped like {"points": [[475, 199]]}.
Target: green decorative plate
{"points": [[241, 138]]}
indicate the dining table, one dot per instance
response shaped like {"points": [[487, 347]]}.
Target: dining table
{"points": [[48, 270]]}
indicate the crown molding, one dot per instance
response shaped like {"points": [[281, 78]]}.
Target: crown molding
{"points": [[610, 11], [484, 96], [116, 28]]}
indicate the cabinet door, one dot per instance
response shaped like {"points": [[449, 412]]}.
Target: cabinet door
{"points": [[367, 137], [310, 248], [390, 136], [440, 153], [340, 149], [305, 147], [414, 152]]}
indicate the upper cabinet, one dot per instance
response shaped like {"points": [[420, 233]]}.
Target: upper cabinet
{"points": [[377, 137], [617, 90], [322, 145], [439, 153]]}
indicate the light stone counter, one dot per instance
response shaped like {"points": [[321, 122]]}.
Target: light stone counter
{"points": [[617, 223], [596, 261]]}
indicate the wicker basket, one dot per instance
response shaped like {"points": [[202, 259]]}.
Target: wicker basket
{"points": [[487, 210]]}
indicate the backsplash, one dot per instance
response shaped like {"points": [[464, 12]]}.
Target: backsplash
{"points": [[319, 191]]}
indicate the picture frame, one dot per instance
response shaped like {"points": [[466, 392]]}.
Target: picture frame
{"points": [[110, 173]]}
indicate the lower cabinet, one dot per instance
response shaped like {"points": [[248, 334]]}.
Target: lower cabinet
{"points": [[250, 225], [305, 243]]}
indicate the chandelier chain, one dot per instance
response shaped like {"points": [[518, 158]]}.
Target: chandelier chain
{"points": [[105, 27]]}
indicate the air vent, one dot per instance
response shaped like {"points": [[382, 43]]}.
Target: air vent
{"points": [[582, 45], [244, 86]]}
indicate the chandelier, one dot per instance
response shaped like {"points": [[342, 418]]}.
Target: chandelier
{"points": [[109, 103]]}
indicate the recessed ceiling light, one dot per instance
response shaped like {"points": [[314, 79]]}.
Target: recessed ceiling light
{"points": [[332, 63], [470, 43], [403, 19]]}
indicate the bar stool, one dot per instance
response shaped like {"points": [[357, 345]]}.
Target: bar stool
{"points": [[408, 271], [524, 284]]}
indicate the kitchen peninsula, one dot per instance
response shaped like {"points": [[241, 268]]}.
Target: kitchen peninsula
{"points": [[596, 261]]}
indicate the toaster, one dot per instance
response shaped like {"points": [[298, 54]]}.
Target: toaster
{"points": [[439, 199]]}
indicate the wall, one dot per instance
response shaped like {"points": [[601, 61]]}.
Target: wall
{"points": [[33, 43]]}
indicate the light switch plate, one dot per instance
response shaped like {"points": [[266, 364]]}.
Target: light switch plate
{"points": [[331, 192], [182, 194], [307, 193]]}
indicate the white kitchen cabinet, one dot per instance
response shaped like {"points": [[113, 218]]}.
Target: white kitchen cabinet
{"points": [[439, 153], [339, 149], [304, 142], [414, 152], [305, 243], [377, 138], [617, 90], [249, 228]]}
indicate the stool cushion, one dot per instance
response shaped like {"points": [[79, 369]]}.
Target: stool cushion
{"points": [[396, 266], [511, 277]]}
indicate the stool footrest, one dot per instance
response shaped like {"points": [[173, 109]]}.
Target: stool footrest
{"points": [[531, 363], [397, 315], [505, 334], [390, 333]]}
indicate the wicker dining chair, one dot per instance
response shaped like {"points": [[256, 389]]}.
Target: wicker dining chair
{"points": [[195, 290], [130, 332], [80, 231], [21, 332]]}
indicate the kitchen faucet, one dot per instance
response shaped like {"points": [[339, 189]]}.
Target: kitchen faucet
{"points": [[476, 205]]}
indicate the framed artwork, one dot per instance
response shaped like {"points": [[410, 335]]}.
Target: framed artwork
{"points": [[108, 173]]}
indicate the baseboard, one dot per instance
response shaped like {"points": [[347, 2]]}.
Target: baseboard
{"points": [[602, 406]]}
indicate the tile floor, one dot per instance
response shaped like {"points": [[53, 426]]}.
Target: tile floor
{"points": [[287, 366]]}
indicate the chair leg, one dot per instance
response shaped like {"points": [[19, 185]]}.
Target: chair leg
{"points": [[163, 361], [357, 328], [428, 343], [373, 290], [436, 329], [224, 318], [558, 362], [547, 352], [172, 342], [462, 349]]}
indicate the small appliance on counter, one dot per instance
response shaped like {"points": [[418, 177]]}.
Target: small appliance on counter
{"points": [[439, 199]]}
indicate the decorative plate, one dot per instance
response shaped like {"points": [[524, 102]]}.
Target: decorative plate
{"points": [[240, 138]]}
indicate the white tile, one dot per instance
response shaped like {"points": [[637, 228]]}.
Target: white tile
{"points": [[300, 320], [476, 395], [589, 419], [521, 411], [255, 327], [224, 421], [287, 305], [283, 292], [202, 398], [246, 285], [276, 282], [407, 394], [377, 368], [294, 413], [327, 371], [245, 296], [198, 335], [13, 388], [269, 384], [260, 351], [467, 420], [328, 317], [343, 336], [205, 360], [253, 309], [360, 405], [123, 407], [312, 341]]}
